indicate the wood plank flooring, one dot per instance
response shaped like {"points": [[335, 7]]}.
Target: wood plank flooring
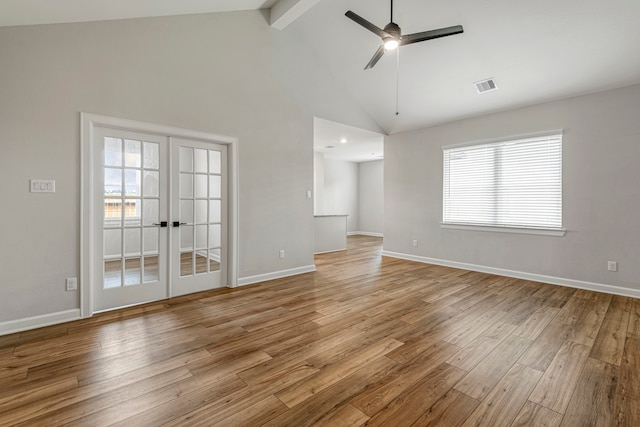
{"points": [[364, 341]]}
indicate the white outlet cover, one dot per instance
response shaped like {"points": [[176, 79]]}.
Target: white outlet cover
{"points": [[72, 284]]}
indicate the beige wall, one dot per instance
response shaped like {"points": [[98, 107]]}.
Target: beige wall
{"points": [[228, 74]]}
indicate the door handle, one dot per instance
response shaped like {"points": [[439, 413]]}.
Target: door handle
{"points": [[161, 224], [178, 223]]}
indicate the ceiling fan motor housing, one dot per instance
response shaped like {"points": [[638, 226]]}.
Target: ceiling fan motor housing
{"points": [[393, 30]]}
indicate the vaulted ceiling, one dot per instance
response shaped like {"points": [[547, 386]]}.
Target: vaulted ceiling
{"points": [[537, 51]]}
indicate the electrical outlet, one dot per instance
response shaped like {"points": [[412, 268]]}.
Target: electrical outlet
{"points": [[612, 266], [281, 254], [415, 243], [72, 284], [308, 194]]}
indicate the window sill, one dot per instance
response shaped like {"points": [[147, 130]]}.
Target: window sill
{"points": [[557, 232]]}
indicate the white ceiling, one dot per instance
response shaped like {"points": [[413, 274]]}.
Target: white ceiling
{"points": [[28, 12], [338, 141], [536, 50]]}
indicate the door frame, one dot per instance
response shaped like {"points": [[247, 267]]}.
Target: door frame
{"points": [[88, 123]]}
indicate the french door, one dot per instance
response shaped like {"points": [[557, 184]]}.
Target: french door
{"points": [[160, 213], [199, 188]]}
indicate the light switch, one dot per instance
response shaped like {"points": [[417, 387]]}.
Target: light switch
{"points": [[43, 185]]}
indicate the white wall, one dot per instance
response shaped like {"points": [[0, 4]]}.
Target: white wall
{"points": [[601, 191], [341, 191], [371, 197], [260, 85], [351, 188], [318, 183]]}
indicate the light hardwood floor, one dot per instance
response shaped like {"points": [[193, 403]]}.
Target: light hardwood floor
{"points": [[365, 340]]}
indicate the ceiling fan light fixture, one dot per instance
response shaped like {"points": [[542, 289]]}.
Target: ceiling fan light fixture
{"points": [[390, 43]]}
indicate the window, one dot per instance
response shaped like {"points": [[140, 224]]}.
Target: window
{"points": [[510, 184]]}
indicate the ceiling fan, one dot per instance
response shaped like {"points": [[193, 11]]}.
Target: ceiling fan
{"points": [[392, 37]]}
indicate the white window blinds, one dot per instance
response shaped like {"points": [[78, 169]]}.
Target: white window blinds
{"points": [[515, 183]]}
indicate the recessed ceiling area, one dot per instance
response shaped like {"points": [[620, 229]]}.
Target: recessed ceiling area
{"points": [[361, 145]]}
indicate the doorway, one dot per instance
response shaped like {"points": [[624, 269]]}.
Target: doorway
{"points": [[158, 213], [348, 181]]}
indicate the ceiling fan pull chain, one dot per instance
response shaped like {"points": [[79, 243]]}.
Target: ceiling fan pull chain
{"points": [[397, 81]]}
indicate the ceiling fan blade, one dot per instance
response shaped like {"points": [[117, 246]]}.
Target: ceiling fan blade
{"points": [[366, 24], [433, 34], [376, 57]]}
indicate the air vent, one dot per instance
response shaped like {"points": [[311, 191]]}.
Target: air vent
{"points": [[486, 85]]}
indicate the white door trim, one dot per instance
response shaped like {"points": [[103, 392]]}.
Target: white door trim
{"points": [[88, 122]]}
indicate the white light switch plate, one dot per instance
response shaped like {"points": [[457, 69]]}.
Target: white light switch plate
{"points": [[42, 185]]}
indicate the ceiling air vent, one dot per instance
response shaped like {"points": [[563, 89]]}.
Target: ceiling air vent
{"points": [[486, 85]]}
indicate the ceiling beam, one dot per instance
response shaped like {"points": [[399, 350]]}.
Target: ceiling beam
{"points": [[284, 12]]}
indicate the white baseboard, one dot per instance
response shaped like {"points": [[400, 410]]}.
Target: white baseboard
{"points": [[275, 275], [328, 252], [571, 283], [203, 253], [364, 233], [19, 325]]}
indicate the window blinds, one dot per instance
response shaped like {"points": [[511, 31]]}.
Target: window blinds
{"points": [[515, 183]]}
